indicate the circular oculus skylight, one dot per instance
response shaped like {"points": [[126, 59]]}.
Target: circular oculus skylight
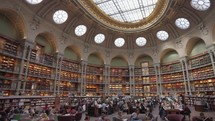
{"points": [[182, 23], [34, 2], [162, 35], [60, 16], [119, 42], [200, 5], [80, 30], [141, 41], [99, 38]]}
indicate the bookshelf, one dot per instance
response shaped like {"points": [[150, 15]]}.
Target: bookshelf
{"points": [[94, 80], [172, 78], [201, 74], [145, 81], [9, 65]]}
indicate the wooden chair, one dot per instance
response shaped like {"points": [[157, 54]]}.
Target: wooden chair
{"points": [[78, 116], [66, 118], [175, 117], [116, 119]]}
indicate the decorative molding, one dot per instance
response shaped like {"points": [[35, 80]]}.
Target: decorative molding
{"points": [[107, 53], [86, 48], [35, 23], [203, 29], [63, 39], [178, 43], [155, 51]]}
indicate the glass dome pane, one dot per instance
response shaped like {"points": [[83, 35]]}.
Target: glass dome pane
{"points": [[200, 5], [60, 16], [162, 35], [99, 38], [127, 10], [80, 30], [119, 42], [141, 41], [182, 23], [34, 2]]}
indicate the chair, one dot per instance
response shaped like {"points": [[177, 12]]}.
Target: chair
{"points": [[66, 118], [78, 116], [175, 117], [116, 119], [207, 107]]}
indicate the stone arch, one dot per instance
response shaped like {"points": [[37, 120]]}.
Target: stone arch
{"points": [[121, 58], [169, 51], [98, 55], [17, 21], [51, 40], [146, 56], [76, 52], [191, 43]]}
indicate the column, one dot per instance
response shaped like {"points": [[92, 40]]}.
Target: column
{"points": [[211, 53], [107, 82], [58, 63], [28, 46], [184, 75], [157, 78], [131, 80], [187, 73], [83, 77]]}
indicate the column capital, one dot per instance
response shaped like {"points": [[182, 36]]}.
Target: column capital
{"points": [[131, 66], [184, 58], [27, 43], [84, 62], [156, 64], [107, 65], [211, 48]]}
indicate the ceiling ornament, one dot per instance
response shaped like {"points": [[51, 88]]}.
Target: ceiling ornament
{"points": [[203, 29], [98, 15], [35, 23], [86, 48], [178, 43], [155, 51], [63, 39], [107, 52]]}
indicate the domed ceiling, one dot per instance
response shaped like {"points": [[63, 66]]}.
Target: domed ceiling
{"points": [[126, 15], [123, 24]]}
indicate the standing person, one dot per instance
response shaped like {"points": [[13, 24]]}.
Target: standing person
{"points": [[3, 115]]}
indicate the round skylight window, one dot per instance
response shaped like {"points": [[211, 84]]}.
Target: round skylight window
{"points": [[200, 5], [162, 35], [80, 30], [119, 42], [141, 41], [60, 16], [99, 38], [182, 23], [34, 2]]}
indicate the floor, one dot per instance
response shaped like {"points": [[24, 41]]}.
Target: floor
{"points": [[155, 113]]}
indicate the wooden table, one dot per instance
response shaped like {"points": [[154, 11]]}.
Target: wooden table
{"points": [[173, 111]]}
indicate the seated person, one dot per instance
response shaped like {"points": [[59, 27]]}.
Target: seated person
{"points": [[186, 111], [201, 117], [134, 116]]}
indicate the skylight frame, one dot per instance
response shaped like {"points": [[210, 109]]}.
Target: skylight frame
{"points": [[141, 41], [162, 35], [201, 5], [182, 23], [119, 42], [99, 38], [60, 16], [126, 10], [33, 2], [80, 30]]}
